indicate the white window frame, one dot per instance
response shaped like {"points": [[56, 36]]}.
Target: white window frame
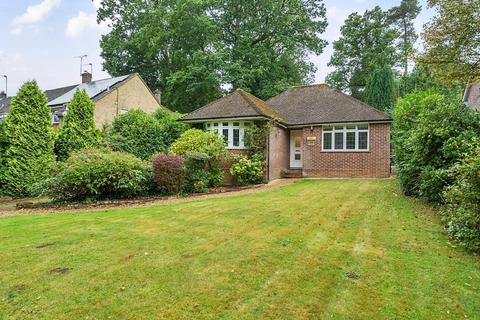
{"points": [[220, 127], [343, 129]]}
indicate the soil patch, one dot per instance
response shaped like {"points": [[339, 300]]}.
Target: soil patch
{"points": [[60, 270]]}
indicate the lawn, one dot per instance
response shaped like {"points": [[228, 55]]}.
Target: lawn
{"points": [[316, 249]]}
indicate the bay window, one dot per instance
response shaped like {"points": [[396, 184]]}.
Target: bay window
{"points": [[345, 138], [232, 132]]}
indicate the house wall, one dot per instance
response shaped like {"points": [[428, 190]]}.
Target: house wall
{"points": [[133, 94], [474, 95], [279, 152], [374, 163]]}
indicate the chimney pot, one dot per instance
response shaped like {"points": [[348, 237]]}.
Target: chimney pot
{"points": [[86, 77], [158, 96]]}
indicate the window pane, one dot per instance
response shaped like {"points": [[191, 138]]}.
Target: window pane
{"points": [[215, 124], [362, 140], [236, 137], [327, 128], [338, 140], [363, 127], [225, 124], [298, 142], [327, 141], [351, 127], [351, 140], [298, 156], [225, 136], [208, 125], [246, 124], [339, 128], [236, 124]]}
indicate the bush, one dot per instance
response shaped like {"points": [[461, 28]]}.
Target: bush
{"points": [[197, 173], [99, 174], [28, 141], [247, 171], [430, 134], [78, 131], [461, 214], [138, 133], [170, 127], [198, 141], [169, 173]]}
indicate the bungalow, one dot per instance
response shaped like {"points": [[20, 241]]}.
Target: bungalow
{"points": [[319, 131], [112, 97]]}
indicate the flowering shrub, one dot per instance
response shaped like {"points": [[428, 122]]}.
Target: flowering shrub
{"points": [[168, 173], [246, 170]]}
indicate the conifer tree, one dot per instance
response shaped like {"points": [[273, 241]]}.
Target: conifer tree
{"points": [[29, 141], [380, 89], [78, 130]]}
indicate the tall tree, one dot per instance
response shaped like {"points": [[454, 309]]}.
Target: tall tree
{"points": [[367, 41], [191, 49], [403, 17], [78, 130], [380, 89], [29, 141], [452, 41]]}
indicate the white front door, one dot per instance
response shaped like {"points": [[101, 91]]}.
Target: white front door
{"points": [[296, 149]]}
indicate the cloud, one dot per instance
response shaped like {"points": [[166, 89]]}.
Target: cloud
{"points": [[84, 22], [34, 15]]}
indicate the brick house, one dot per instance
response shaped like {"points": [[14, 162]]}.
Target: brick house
{"points": [[112, 97], [472, 95], [318, 131]]}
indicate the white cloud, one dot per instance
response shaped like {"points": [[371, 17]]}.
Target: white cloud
{"points": [[33, 15], [84, 22]]}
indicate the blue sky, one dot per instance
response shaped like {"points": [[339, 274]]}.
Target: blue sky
{"points": [[39, 38]]}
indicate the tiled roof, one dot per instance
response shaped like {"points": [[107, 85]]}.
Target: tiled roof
{"points": [[235, 105], [316, 104]]}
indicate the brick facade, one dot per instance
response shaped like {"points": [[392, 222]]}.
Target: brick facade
{"points": [[374, 163], [279, 152]]}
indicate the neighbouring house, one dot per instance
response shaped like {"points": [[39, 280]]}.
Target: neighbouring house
{"points": [[318, 131], [472, 95], [112, 97]]}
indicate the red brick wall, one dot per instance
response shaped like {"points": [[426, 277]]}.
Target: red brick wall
{"points": [[279, 152], [374, 163]]}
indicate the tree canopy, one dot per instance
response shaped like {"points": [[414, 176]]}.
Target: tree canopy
{"points": [[193, 49], [380, 89], [452, 41], [366, 42]]}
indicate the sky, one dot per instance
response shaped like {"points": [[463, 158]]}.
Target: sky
{"points": [[40, 38]]}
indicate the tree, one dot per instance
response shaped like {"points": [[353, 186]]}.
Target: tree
{"points": [[402, 17], [78, 130], [380, 89], [29, 140], [366, 42], [451, 41], [191, 49]]}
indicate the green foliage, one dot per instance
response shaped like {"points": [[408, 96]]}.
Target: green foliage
{"points": [[380, 89], [199, 141], [78, 130], [28, 141], [367, 41], [99, 174], [170, 127], [461, 213], [190, 49], [246, 170], [430, 134], [403, 17], [451, 41], [256, 138], [201, 173], [168, 173]]}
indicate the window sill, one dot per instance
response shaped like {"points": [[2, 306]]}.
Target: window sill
{"points": [[346, 151]]}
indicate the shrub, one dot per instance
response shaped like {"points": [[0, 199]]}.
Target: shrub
{"points": [[78, 130], [198, 141], [197, 172], [461, 214], [138, 133], [170, 127], [247, 171], [99, 174], [256, 138], [169, 173], [28, 141]]}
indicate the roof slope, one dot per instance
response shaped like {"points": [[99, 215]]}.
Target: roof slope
{"points": [[235, 105], [315, 104]]}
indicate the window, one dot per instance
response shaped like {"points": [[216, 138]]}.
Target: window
{"points": [[55, 118], [345, 138], [231, 132]]}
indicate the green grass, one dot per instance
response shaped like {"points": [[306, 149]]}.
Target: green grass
{"points": [[325, 249]]}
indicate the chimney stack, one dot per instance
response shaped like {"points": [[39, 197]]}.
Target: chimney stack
{"points": [[86, 77], [158, 96], [3, 95]]}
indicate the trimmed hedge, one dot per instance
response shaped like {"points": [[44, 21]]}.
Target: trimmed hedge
{"points": [[99, 174], [168, 173]]}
